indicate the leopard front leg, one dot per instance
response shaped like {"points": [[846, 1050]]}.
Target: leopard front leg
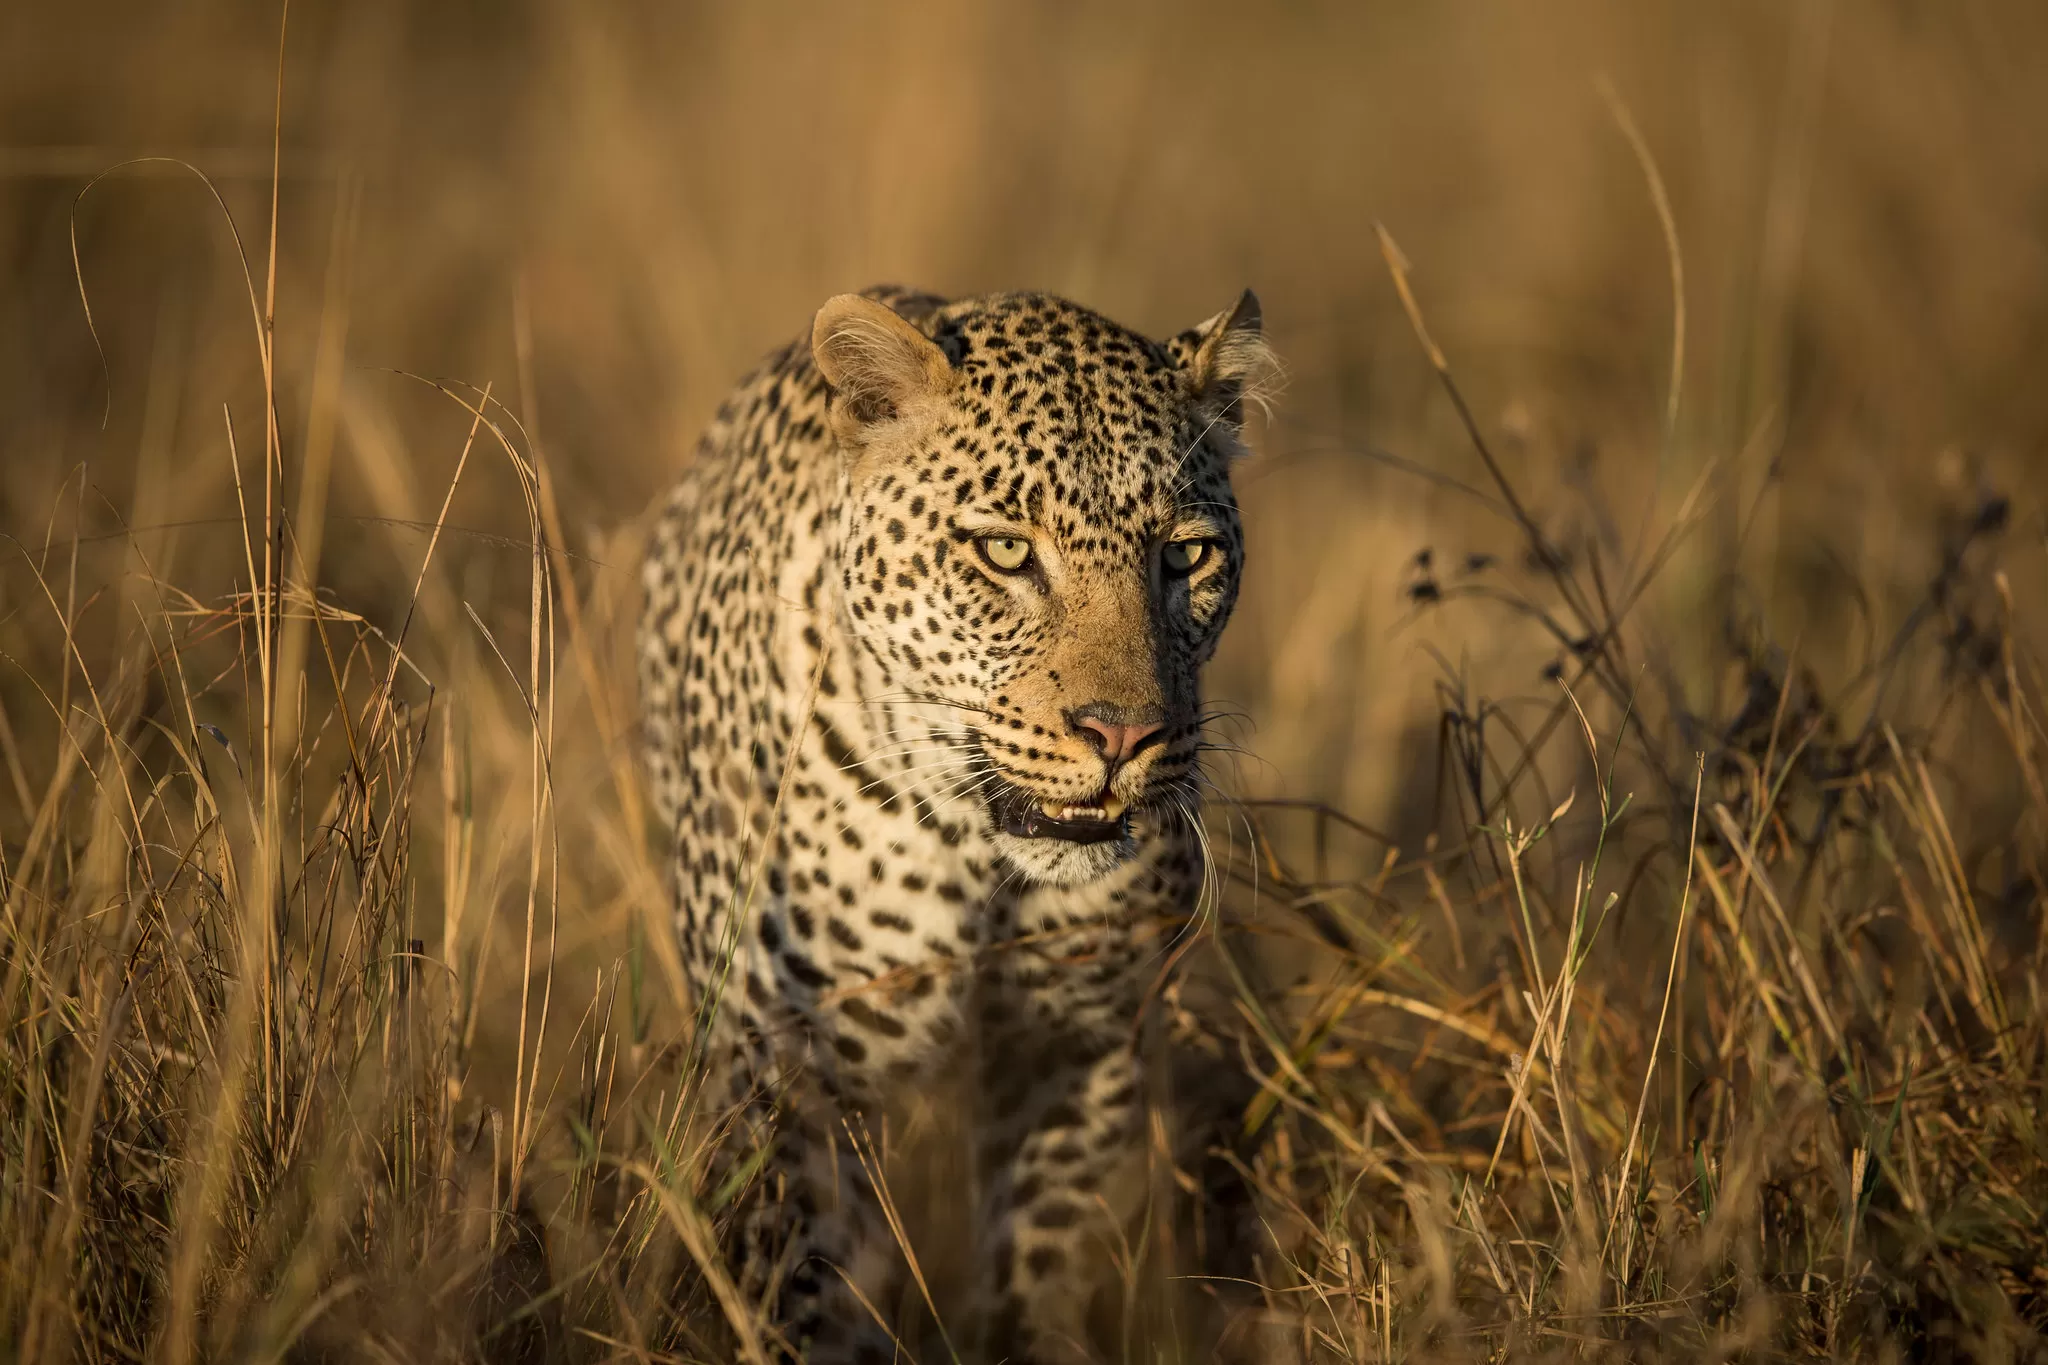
{"points": [[817, 1230], [1062, 1140], [813, 1247]]}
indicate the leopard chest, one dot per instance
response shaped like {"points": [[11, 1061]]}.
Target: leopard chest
{"points": [[868, 928]]}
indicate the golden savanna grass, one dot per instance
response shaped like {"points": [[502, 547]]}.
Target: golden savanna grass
{"points": [[1633, 816]]}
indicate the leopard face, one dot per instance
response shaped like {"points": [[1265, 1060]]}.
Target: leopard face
{"points": [[1039, 549]]}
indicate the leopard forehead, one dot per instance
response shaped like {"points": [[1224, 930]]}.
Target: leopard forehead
{"points": [[1064, 420]]}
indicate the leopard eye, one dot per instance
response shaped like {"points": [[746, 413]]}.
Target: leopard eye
{"points": [[1183, 557], [1005, 554]]}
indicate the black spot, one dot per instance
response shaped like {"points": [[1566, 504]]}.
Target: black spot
{"points": [[1044, 1261], [1055, 1214], [872, 1019], [805, 973], [1061, 1115]]}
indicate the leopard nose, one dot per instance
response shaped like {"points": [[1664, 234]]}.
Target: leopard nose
{"points": [[1117, 732]]}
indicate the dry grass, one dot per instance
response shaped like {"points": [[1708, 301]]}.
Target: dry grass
{"points": [[1632, 931]]}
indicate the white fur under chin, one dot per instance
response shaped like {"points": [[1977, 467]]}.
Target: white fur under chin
{"points": [[1055, 862]]}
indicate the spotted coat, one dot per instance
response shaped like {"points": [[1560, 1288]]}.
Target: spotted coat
{"points": [[925, 796]]}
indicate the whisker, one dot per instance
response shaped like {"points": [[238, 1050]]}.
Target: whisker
{"points": [[1202, 844], [912, 749], [925, 699]]}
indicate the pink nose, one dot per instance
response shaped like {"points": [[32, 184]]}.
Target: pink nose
{"points": [[1117, 742]]}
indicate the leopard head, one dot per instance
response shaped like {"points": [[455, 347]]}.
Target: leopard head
{"points": [[1040, 549]]}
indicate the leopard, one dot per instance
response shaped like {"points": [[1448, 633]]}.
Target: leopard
{"points": [[919, 661]]}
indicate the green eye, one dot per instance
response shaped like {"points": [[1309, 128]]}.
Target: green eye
{"points": [[1005, 554], [1184, 556]]}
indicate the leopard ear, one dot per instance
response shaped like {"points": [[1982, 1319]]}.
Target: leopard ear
{"points": [[1227, 360], [876, 362]]}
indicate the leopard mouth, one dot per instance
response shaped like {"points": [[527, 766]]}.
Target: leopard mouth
{"points": [[1025, 816]]}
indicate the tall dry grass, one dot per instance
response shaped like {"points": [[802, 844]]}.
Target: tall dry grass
{"points": [[1632, 942]]}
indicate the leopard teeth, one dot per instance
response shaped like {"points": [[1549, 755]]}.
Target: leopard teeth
{"points": [[1111, 809]]}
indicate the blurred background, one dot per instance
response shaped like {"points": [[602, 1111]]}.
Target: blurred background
{"points": [[1748, 303]]}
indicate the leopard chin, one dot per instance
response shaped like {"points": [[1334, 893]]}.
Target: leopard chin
{"points": [[1050, 861]]}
